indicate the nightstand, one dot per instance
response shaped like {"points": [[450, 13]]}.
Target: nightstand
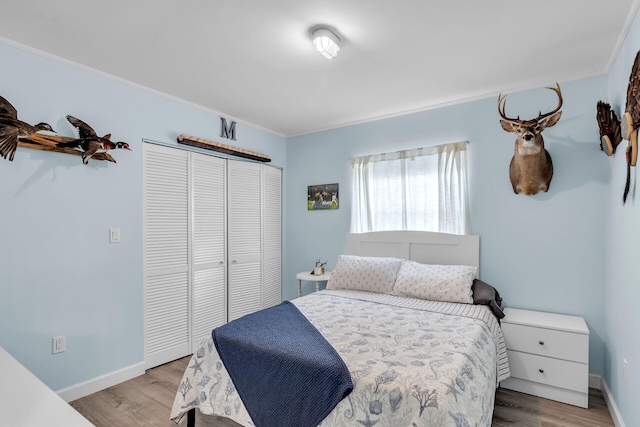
{"points": [[548, 355], [307, 276]]}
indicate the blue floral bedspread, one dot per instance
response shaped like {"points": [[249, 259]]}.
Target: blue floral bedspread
{"points": [[413, 363]]}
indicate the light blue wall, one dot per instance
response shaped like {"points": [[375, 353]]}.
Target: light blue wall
{"points": [[59, 275], [542, 252], [571, 250], [622, 255]]}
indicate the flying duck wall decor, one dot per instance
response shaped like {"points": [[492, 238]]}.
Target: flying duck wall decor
{"points": [[11, 129], [89, 142], [17, 133]]}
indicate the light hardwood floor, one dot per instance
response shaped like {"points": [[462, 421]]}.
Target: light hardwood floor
{"points": [[147, 401]]}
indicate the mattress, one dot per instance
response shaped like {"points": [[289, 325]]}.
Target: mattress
{"points": [[412, 362]]}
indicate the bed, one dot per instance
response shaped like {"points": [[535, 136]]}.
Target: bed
{"points": [[417, 356]]}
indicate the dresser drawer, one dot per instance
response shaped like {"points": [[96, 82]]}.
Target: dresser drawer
{"points": [[545, 370], [547, 342]]}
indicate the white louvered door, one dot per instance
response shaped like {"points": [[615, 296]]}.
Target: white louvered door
{"points": [[166, 254], [212, 246], [208, 192], [244, 195], [271, 236]]}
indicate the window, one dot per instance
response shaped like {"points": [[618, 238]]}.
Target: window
{"points": [[420, 189]]}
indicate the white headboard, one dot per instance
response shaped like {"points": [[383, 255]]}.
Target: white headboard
{"points": [[420, 246]]}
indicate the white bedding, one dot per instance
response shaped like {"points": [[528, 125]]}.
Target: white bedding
{"points": [[413, 363]]}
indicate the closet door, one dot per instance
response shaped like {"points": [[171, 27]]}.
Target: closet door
{"points": [[166, 253], [208, 193], [272, 232], [244, 196], [212, 246]]}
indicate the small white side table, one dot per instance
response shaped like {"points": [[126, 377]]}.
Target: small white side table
{"points": [[307, 276]]}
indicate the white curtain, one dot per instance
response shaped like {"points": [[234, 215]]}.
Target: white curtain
{"points": [[419, 189]]}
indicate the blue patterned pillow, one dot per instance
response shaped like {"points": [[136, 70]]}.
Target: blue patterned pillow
{"points": [[449, 283], [370, 274]]}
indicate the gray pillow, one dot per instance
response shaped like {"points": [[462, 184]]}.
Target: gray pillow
{"points": [[485, 294]]}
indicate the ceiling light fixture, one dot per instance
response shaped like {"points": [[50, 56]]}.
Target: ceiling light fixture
{"points": [[326, 42]]}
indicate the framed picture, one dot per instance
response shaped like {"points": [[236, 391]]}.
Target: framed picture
{"points": [[323, 196]]}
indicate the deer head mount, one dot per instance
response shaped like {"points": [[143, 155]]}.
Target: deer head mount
{"points": [[531, 168]]}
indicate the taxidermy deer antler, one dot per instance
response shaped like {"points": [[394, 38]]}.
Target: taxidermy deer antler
{"points": [[531, 167]]}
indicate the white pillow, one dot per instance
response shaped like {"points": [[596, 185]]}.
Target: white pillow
{"points": [[449, 283], [371, 274]]}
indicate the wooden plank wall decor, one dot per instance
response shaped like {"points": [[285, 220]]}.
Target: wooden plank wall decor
{"points": [[222, 148], [41, 141]]}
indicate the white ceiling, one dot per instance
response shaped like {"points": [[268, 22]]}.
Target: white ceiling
{"points": [[253, 60]]}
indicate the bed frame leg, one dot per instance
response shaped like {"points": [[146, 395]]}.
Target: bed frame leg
{"points": [[191, 417]]}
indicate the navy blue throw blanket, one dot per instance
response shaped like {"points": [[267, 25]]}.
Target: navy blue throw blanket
{"points": [[284, 370]]}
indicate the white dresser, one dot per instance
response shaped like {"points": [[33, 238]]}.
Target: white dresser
{"points": [[548, 355]]}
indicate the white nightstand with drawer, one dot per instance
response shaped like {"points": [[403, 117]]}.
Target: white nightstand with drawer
{"points": [[548, 355]]}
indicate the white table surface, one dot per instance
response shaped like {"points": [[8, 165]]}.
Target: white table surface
{"points": [[26, 401], [307, 276]]}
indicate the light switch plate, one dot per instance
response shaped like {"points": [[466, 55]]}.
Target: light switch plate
{"points": [[114, 235]]}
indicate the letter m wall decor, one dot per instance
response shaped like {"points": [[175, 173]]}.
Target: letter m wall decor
{"points": [[228, 132]]}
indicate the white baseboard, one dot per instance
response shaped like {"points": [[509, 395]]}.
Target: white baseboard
{"points": [[595, 381], [100, 383], [599, 383]]}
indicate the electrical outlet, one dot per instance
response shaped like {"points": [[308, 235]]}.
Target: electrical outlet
{"points": [[624, 370], [59, 344]]}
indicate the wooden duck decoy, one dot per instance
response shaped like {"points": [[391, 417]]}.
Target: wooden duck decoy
{"points": [[11, 129], [89, 142]]}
